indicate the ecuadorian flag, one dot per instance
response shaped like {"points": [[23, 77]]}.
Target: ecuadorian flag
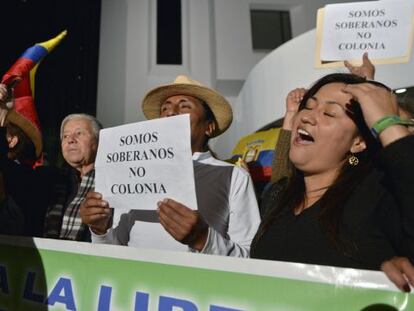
{"points": [[257, 151], [21, 76]]}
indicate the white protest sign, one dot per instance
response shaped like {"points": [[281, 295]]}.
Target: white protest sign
{"points": [[142, 163], [384, 29]]}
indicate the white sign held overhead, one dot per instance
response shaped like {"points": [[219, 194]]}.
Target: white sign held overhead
{"points": [[142, 163], [384, 29]]}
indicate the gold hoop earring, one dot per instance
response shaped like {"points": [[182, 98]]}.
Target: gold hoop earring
{"points": [[353, 160]]}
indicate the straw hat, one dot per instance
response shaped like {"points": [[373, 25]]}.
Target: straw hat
{"points": [[24, 119], [184, 85]]}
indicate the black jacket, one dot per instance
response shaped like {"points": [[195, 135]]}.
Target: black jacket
{"points": [[377, 221], [27, 194]]}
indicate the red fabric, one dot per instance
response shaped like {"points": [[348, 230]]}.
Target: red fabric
{"points": [[23, 99], [260, 173], [18, 77], [24, 106], [20, 68], [23, 96]]}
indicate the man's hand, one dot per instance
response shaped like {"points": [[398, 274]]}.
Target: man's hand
{"points": [[400, 271], [96, 213], [4, 94], [366, 70], [183, 224], [6, 102], [6, 97]]}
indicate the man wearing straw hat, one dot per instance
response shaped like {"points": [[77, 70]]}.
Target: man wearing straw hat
{"points": [[227, 215]]}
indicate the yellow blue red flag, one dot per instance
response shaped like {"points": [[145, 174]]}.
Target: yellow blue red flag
{"points": [[21, 78], [256, 151], [21, 74]]}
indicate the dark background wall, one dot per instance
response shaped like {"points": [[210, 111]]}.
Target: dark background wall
{"points": [[66, 81]]}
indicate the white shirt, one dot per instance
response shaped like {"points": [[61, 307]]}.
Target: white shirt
{"points": [[226, 201]]}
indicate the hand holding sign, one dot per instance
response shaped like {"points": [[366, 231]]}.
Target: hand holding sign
{"points": [[366, 70], [3, 99], [6, 101], [3, 93], [95, 213], [183, 224], [137, 164], [400, 271]]}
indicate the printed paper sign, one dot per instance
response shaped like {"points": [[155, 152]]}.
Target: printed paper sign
{"points": [[384, 29], [142, 163]]}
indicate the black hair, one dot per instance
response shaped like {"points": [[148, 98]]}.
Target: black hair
{"points": [[209, 117], [333, 201], [209, 113], [24, 150]]}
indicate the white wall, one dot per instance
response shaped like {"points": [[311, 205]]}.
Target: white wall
{"points": [[235, 57], [216, 51], [112, 63], [127, 68]]}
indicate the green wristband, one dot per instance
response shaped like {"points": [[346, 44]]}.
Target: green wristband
{"points": [[387, 121]]}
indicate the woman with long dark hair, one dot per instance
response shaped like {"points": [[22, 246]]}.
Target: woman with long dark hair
{"points": [[349, 200]]}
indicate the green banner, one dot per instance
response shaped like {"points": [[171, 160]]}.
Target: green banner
{"points": [[42, 274]]}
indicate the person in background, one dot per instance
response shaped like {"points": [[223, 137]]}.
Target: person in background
{"points": [[23, 189], [406, 110], [79, 135], [227, 216]]}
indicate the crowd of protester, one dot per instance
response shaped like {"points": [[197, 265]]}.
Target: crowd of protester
{"points": [[340, 193]]}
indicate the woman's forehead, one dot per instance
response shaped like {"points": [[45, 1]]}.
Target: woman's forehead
{"points": [[332, 93]]}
